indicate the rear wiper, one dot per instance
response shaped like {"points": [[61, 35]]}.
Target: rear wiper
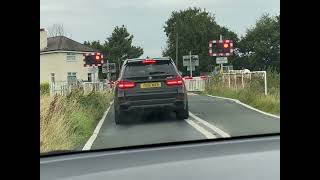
{"points": [[159, 72]]}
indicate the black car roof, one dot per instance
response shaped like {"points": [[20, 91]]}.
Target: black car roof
{"points": [[141, 59]]}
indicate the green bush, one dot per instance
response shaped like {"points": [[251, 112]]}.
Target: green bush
{"points": [[44, 88]]}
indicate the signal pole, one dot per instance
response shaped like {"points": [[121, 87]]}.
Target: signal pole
{"points": [[221, 65], [108, 73]]}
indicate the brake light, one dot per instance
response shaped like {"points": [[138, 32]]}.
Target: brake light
{"points": [[126, 84], [177, 81], [149, 61]]}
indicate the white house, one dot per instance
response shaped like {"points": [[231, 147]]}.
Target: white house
{"points": [[61, 59]]}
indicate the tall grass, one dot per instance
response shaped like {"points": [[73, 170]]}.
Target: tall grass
{"points": [[44, 88], [252, 94], [66, 122]]}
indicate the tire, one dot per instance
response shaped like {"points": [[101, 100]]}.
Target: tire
{"points": [[118, 116], [183, 114]]}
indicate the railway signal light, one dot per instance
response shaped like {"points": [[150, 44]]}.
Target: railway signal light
{"points": [[93, 59], [220, 48]]}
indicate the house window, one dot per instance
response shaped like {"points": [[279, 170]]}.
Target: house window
{"points": [[89, 77], [72, 78], [71, 57]]}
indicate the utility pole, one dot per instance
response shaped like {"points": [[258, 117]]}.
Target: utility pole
{"points": [[119, 62], [177, 47], [190, 65]]}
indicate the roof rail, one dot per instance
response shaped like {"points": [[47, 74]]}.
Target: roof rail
{"points": [[162, 58], [139, 59]]}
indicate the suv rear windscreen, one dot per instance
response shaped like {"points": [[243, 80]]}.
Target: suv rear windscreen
{"points": [[138, 68]]}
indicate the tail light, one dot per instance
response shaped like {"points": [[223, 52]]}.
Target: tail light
{"points": [[149, 61], [173, 82], [126, 84], [203, 77]]}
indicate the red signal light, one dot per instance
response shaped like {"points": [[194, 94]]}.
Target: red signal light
{"points": [[225, 45], [97, 57]]}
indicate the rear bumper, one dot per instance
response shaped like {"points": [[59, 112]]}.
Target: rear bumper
{"points": [[150, 104]]}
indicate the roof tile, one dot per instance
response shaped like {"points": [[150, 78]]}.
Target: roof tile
{"points": [[66, 44]]}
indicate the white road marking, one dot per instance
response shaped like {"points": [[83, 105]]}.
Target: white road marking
{"points": [[246, 105], [93, 137], [206, 133], [192, 94], [209, 125]]}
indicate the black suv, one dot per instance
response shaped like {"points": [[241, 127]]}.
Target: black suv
{"points": [[150, 84]]}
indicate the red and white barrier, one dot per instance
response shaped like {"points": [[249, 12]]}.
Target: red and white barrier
{"points": [[195, 83]]}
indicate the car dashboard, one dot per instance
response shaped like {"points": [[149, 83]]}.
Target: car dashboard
{"points": [[248, 159]]}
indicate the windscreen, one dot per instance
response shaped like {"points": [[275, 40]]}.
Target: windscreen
{"points": [[183, 70], [140, 69]]}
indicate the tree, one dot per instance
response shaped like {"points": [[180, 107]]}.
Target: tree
{"points": [[96, 45], [259, 49], [56, 30], [195, 28], [117, 47]]}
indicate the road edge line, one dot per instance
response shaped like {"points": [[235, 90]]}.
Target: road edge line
{"points": [[93, 137], [209, 125], [246, 105], [204, 132]]}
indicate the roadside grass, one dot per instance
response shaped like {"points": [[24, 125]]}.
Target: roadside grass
{"points": [[252, 95], [66, 122], [44, 88]]}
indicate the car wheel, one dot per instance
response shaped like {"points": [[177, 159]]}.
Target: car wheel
{"points": [[183, 114], [118, 116]]}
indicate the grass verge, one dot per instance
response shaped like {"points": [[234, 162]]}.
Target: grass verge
{"points": [[44, 88], [68, 121], [252, 95]]}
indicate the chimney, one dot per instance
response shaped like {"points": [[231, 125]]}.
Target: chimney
{"points": [[43, 38]]}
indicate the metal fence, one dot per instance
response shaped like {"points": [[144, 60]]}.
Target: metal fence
{"points": [[240, 79], [195, 84], [95, 86], [60, 88], [64, 87]]}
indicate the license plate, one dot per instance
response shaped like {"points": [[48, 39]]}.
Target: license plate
{"points": [[150, 85]]}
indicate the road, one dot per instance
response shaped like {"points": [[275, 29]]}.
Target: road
{"points": [[210, 117]]}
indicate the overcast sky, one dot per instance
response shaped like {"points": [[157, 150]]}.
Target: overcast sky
{"points": [[95, 19]]}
